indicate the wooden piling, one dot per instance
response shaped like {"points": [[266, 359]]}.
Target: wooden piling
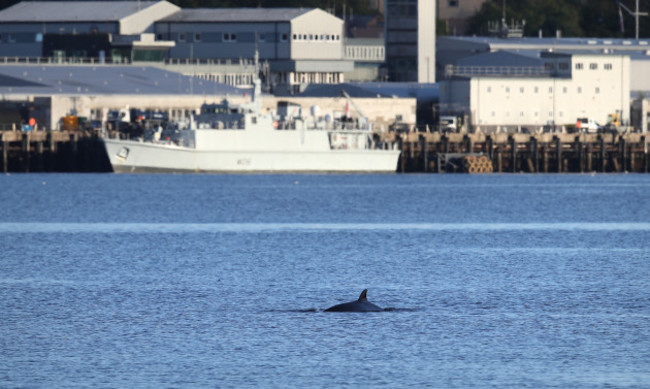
{"points": [[603, 154], [513, 154], [26, 151], [558, 153], [535, 155], [424, 154]]}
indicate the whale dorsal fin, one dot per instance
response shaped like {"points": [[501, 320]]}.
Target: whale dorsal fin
{"points": [[362, 296]]}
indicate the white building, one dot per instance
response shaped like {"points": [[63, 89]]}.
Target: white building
{"points": [[411, 40], [301, 45], [452, 49], [564, 88]]}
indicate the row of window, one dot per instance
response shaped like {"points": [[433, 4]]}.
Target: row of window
{"points": [[402, 8], [365, 52], [246, 37], [215, 37], [535, 114], [550, 89], [578, 66], [316, 37]]}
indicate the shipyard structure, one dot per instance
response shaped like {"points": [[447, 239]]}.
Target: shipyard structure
{"points": [[126, 67]]}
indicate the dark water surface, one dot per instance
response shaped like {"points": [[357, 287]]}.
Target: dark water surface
{"points": [[503, 281]]}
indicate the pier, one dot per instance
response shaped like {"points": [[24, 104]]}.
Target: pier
{"points": [[523, 153], [81, 151], [52, 151]]}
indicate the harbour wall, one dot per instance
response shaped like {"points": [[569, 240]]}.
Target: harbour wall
{"points": [[524, 153], [82, 151], [52, 151]]}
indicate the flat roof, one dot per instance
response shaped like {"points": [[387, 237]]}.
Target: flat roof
{"points": [[623, 44], [72, 11], [227, 15], [105, 80]]}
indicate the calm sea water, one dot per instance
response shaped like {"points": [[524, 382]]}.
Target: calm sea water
{"points": [[500, 281]]}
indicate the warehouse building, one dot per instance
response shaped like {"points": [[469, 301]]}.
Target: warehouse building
{"points": [[115, 31], [511, 92]]}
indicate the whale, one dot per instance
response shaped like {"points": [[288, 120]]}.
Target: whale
{"points": [[361, 305]]}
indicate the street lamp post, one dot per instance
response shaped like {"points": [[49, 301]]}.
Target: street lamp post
{"points": [[636, 15]]}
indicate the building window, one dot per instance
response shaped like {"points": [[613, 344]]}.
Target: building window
{"points": [[564, 89], [608, 66], [197, 37], [593, 66], [507, 89], [579, 89], [521, 114], [227, 37], [521, 89], [284, 37], [295, 37], [159, 37], [550, 89], [579, 66], [181, 37], [564, 66], [536, 89], [597, 90], [452, 3], [263, 37], [489, 89]]}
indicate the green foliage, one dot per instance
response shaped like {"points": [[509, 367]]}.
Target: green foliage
{"points": [[575, 18], [441, 28]]}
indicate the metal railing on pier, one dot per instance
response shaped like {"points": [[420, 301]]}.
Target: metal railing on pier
{"points": [[529, 71]]}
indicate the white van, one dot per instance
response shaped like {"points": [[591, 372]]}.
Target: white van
{"points": [[448, 124], [587, 125]]}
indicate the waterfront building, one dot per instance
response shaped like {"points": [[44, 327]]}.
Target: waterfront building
{"points": [[515, 91], [368, 55], [114, 31], [411, 40], [301, 46], [451, 49]]}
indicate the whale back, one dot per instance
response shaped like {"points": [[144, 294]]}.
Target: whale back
{"points": [[360, 305]]}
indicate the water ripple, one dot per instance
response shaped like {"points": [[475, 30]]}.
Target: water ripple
{"points": [[108, 228]]}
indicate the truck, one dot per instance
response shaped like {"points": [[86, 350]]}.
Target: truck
{"points": [[448, 123]]}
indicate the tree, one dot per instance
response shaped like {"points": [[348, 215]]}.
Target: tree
{"points": [[574, 18]]}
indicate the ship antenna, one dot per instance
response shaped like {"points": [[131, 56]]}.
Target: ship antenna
{"points": [[257, 90]]}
